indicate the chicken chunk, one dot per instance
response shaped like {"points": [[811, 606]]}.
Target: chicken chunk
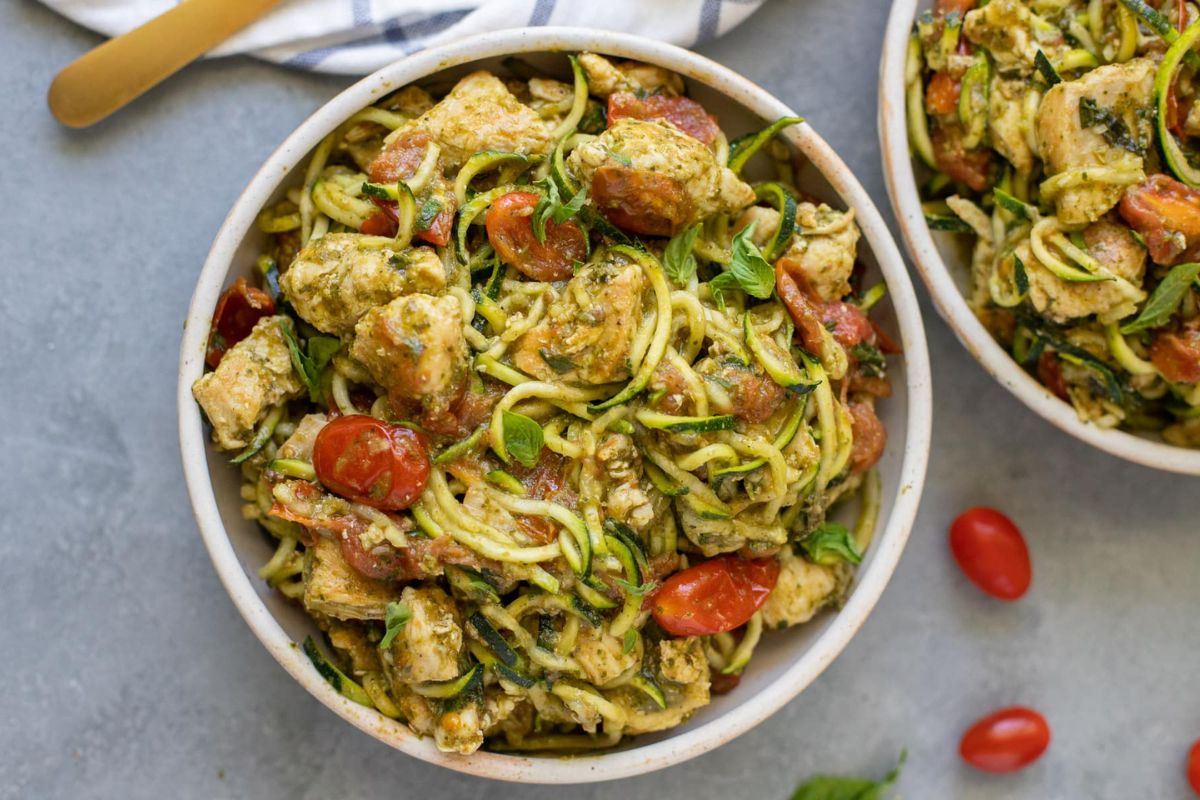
{"points": [[463, 729], [826, 246], [428, 647], [803, 589], [1006, 122], [1125, 90], [336, 279], [300, 444], [603, 656], [765, 221], [1012, 34], [588, 331], [682, 660], [254, 375], [644, 716], [333, 587], [669, 154], [624, 498], [480, 113], [1061, 301], [604, 77], [413, 346], [350, 640]]}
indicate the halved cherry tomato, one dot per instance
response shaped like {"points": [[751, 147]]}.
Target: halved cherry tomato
{"points": [[381, 223], [399, 162], [958, 6], [1193, 768], [401, 158], [238, 311], [941, 96], [789, 281], [641, 201], [991, 551], [972, 167], [847, 322], [1167, 215], [1177, 355], [510, 230], [682, 112], [870, 437], [1006, 740], [369, 461], [716, 595], [1049, 372]]}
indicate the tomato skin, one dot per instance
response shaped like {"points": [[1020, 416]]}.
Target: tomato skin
{"points": [[1049, 372], [401, 159], [371, 462], [238, 311], [510, 230], [947, 6], [847, 322], [641, 201], [714, 596], [991, 551], [1005, 740], [972, 167], [870, 437], [1193, 767], [1166, 213], [682, 112], [1177, 355], [941, 96]]}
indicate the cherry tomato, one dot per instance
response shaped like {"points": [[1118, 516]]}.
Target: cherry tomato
{"points": [[238, 311], [381, 223], [870, 437], [1166, 213], [1193, 767], [716, 595], [941, 96], [1049, 372], [789, 281], [641, 201], [972, 167], [369, 461], [510, 230], [682, 112], [382, 562], [847, 322], [991, 551], [401, 158], [1177, 355], [1006, 740], [959, 6]]}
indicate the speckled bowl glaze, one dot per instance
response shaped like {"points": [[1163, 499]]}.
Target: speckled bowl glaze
{"points": [[945, 269], [785, 662]]}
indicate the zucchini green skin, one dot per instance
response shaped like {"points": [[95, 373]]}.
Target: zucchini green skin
{"points": [[496, 643], [646, 684], [675, 424], [472, 583], [293, 468], [460, 449], [706, 510], [505, 481], [477, 205], [593, 597], [334, 676], [936, 222], [444, 690], [785, 204], [788, 432], [481, 162], [973, 100], [266, 429], [743, 147], [784, 372], [1172, 152], [663, 482]]}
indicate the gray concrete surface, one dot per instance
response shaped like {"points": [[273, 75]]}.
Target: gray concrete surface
{"points": [[132, 676]]}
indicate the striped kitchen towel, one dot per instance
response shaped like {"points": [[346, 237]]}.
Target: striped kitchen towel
{"points": [[355, 37]]}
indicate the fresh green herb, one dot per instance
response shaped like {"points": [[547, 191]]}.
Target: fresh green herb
{"points": [[559, 364], [1020, 276], [637, 590], [942, 222], [678, 260], [595, 118], [551, 207], [396, 616], [1049, 73], [1112, 127], [630, 642], [376, 190], [623, 160], [828, 787], [1165, 299], [522, 438], [428, 213], [748, 270], [311, 364], [870, 359], [830, 543]]}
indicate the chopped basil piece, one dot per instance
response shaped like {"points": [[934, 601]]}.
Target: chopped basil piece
{"points": [[522, 438], [830, 543], [396, 616]]}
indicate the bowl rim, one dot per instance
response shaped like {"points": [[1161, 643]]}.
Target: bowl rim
{"points": [[950, 302], [889, 542]]}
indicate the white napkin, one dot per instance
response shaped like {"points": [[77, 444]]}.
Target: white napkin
{"points": [[355, 37]]}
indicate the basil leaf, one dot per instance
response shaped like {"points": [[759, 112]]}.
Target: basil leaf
{"points": [[717, 286], [748, 267], [1165, 299], [630, 642], [396, 616], [1112, 127], [562, 213], [830, 543], [559, 364], [678, 261], [522, 438], [310, 365], [321, 349], [828, 787], [428, 213], [870, 359]]}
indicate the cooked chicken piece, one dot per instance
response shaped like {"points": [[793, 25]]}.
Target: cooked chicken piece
{"points": [[1125, 90], [1012, 34], [665, 151], [682, 660], [604, 77], [826, 246], [552, 709], [624, 498], [480, 113], [254, 375], [411, 101], [644, 716], [413, 346], [300, 444], [463, 729], [603, 656], [333, 587], [350, 639], [1060, 300], [418, 712], [765, 221], [803, 589], [587, 332], [428, 647], [1006, 122], [336, 279]]}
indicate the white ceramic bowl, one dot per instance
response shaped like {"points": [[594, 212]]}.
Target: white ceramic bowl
{"points": [[945, 267], [785, 662]]}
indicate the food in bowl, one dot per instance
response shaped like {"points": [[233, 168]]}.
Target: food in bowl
{"points": [[546, 405], [1058, 138]]}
